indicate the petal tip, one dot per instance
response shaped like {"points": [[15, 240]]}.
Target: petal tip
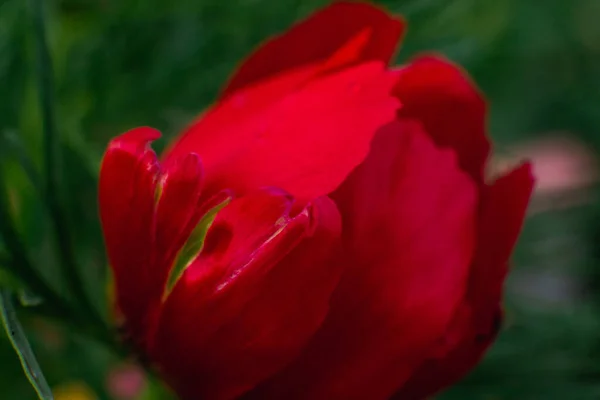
{"points": [[135, 140]]}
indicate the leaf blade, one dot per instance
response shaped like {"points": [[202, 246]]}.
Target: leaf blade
{"points": [[19, 341]]}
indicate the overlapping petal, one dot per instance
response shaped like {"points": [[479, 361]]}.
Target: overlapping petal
{"points": [[257, 292], [464, 347], [340, 35], [397, 294], [503, 208], [126, 196], [409, 223], [451, 109], [478, 320], [147, 212], [247, 142]]}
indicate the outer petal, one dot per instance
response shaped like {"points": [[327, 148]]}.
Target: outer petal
{"points": [[503, 210], [476, 324], [249, 141], [409, 216], [437, 93], [340, 35], [143, 231], [467, 347], [258, 291], [126, 196]]}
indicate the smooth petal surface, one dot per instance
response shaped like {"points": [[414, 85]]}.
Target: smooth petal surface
{"points": [[257, 292], [409, 222], [477, 322], [340, 35], [503, 208], [306, 143], [441, 96], [466, 348]]}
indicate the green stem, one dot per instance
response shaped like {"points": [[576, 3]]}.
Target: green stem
{"points": [[17, 337], [51, 155]]}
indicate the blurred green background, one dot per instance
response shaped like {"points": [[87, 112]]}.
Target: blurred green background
{"points": [[124, 63]]}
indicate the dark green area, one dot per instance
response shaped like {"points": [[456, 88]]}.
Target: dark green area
{"points": [[124, 63]]}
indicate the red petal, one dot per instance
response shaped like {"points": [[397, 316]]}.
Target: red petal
{"points": [[143, 234], [409, 215], [468, 347], [476, 324], [248, 141], [437, 93], [343, 34], [126, 196], [503, 210], [258, 291]]}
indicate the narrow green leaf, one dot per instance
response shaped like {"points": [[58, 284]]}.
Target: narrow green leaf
{"points": [[19, 341], [45, 83], [13, 147], [8, 280], [18, 262], [192, 246]]}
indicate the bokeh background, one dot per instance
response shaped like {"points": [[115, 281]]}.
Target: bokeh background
{"points": [[124, 63]]}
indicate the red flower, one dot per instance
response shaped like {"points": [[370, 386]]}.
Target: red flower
{"points": [[357, 251]]}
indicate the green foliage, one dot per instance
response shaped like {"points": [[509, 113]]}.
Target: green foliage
{"points": [[125, 63], [193, 246], [19, 341]]}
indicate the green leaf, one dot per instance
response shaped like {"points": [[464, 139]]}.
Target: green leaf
{"points": [[192, 247], [8, 280], [19, 264], [52, 157], [19, 341], [13, 147]]}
